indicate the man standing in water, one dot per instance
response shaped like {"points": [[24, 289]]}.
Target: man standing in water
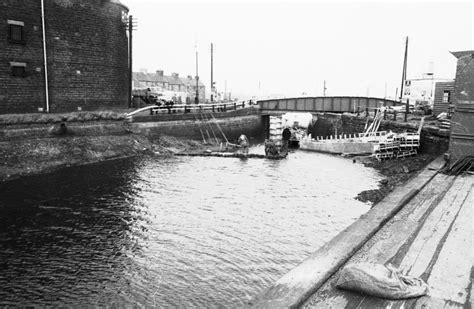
{"points": [[243, 143], [285, 136]]}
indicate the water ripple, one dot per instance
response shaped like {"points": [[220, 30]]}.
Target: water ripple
{"points": [[170, 232]]}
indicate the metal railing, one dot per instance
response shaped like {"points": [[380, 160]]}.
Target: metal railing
{"points": [[192, 108]]}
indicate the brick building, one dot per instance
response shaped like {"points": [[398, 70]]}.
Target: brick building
{"points": [[86, 54], [159, 82]]}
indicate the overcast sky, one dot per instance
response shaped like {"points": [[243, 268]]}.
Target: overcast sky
{"points": [[291, 47]]}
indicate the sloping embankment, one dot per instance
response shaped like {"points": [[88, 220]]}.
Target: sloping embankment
{"points": [[37, 143]]}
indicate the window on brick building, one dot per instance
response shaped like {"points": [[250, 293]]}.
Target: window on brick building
{"points": [[18, 69], [446, 96], [16, 32]]}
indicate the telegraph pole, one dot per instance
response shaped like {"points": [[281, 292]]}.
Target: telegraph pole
{"points": [[197, 79], [212, 72], [404, 73], [131, 27]]}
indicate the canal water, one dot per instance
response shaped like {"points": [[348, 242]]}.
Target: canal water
{"points": [[170, 232]]}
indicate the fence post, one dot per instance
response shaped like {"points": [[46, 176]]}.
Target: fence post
{"points": [[407, 107]]}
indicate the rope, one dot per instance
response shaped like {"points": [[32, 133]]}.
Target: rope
{"points": [[210, 126], [199, 126], [220, 129]]}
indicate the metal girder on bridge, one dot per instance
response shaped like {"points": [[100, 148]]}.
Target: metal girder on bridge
{"points": [[323, 104]]}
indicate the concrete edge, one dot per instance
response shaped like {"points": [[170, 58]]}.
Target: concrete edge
{"points": [[295, 287]]}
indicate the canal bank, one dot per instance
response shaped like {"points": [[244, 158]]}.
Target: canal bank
{"points": [[38, 143]]}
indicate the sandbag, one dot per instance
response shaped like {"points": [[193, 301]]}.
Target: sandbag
{"points": [[380, 281]]}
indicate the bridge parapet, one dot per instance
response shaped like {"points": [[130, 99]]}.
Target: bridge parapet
{"points": [[323, 104]]}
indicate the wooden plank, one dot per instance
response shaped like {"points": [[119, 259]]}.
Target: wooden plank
{"points": [[392, 240], [425, 245], [450, 277]]}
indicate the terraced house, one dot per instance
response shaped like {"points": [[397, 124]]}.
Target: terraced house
{"points": [[76, 57], [159, 82]]}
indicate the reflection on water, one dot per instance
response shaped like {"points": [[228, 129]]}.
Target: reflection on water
{"points": [[180, 232]]}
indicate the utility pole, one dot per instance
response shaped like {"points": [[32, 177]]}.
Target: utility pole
{"points": [[197, 79], [404, 73], [45, 58], [131, 27], [212, 72]]}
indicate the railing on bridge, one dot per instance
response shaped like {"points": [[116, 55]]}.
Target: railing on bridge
{"points": [[191, 108], [323, 104]]}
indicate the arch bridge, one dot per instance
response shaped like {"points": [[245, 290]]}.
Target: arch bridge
{"points": [[323, 104]]}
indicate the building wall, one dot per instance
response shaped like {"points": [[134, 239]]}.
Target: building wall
{"points": [[439, 105], [87, 56], [461, 142], [18, 94], [464, 85]]}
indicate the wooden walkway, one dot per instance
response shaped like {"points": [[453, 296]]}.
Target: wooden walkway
{"points": [[430, 238]]}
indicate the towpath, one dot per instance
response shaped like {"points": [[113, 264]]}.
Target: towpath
{"points": [[430, 238]]}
